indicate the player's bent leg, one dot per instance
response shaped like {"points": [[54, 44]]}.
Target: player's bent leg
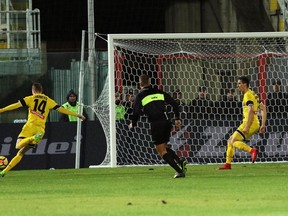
{"points": [[22, 142], [242, 146], [253, 151], [168, 158], [33, 140], [173, 154], [161, 149], [182, 162], [15, 160]]}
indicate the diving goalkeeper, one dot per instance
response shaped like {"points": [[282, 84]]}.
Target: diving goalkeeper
{"points": [[39, 105]]}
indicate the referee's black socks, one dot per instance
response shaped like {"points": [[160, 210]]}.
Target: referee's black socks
{"points": [[173, 154], [169, 159]]}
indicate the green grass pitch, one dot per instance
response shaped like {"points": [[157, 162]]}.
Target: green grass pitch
{"points": [[247, 189]]}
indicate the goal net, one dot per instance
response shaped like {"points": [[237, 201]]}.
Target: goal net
{"points": [[200, 71]]}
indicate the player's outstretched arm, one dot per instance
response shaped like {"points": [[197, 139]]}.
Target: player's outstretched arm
{"points": [[263, 117], [11, 107], [68, 112]]}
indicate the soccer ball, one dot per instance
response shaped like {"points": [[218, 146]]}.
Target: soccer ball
{"points": [[3, 162]]}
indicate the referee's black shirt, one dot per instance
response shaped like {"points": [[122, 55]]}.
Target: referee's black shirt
{"points": [[154, 108]]}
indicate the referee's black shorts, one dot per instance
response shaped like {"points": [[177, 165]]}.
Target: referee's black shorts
{"points": [[160, 131]]}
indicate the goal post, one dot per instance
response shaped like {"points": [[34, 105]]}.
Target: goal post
{"points": [[184, 65], [112, 76]]}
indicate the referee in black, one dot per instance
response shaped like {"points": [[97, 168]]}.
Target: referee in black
{"points": [[151, 101]]}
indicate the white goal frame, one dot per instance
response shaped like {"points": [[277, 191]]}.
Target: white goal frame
{"points": [[111, 68]]}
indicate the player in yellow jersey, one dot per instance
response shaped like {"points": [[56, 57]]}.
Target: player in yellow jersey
{"points": [[39, 105], [249, 126]]}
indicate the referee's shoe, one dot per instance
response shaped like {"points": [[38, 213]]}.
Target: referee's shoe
{"points": [[182, 163], [179, 175]]}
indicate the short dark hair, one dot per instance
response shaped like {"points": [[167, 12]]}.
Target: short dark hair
{"points": [[277, 81], [37, 87], [144, 80], [245, 80]]}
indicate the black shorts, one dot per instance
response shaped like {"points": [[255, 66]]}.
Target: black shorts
{"points": [[161, 131]]}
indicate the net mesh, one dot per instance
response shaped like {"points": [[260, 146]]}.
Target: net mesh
{"points": [[201, 75]]}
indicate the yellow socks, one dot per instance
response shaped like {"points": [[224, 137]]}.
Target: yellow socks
{"points": [[231, 149], [229, 153], [13, 162], [242, 146]]}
